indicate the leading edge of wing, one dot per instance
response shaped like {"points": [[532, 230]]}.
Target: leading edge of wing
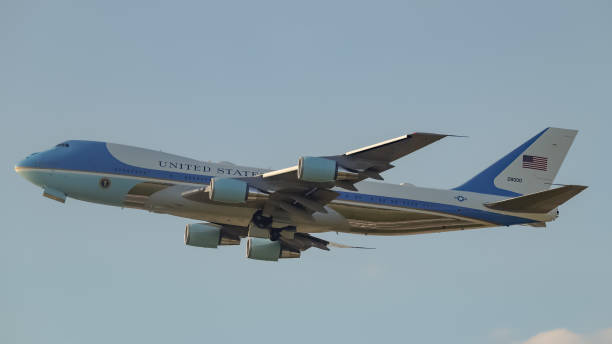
{"points": [[383, 152], [396, 148]]}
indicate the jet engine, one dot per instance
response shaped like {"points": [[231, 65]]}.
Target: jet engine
{"points": [[229, 190], [208, 235], [322, 170], [264, 249]]}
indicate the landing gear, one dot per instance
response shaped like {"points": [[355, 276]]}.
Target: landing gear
{"points": [[275, 234], [260, 220], [261, 227]]}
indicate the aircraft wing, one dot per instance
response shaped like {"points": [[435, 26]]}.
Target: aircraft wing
{"points": [[393, 149], [299, 191], [307, 186], [355, 165]]}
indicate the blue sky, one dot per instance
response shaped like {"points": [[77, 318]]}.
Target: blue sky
{"points": [[261, 83]]}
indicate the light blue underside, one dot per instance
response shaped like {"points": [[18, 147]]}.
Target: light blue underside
{"points": [[82, 186]]}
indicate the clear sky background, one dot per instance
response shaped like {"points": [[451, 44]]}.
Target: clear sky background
{"points": [[260, 83]]}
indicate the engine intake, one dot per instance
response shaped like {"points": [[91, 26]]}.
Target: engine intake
{"points": [[322, 170], [208, 235], [264, 249]]}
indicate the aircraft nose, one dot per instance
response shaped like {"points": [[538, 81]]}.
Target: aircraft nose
{"points": [[26, 168], [30, 161], [34, 160], [20, 165]]}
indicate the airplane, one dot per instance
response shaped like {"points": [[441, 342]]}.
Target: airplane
{"points": [[278, 211]]}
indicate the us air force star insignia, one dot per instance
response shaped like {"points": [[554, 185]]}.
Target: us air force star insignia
{"points": [[104, 183], [460, 198]]}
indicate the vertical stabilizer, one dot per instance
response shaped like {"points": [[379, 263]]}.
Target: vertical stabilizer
{"points": [[530, 168]]}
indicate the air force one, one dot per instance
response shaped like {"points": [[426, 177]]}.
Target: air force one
{"points": [[278, 211]]}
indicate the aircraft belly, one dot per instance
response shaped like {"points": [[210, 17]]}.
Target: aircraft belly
{"points": [[375, 220]]}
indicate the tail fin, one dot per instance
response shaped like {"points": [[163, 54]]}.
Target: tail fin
{"points": [[530, 168]]}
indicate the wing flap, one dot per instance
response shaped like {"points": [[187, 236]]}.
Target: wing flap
{"points": [[303, 241], [539, 202]]}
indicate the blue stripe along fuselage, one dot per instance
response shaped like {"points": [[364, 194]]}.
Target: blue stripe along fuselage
{"points": [[500, 219], [93, 156]]}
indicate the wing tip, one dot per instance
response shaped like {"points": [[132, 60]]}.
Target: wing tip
{"points": [[434, 134]]}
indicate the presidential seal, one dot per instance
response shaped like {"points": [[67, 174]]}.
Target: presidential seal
{"points": [[105, 183]]}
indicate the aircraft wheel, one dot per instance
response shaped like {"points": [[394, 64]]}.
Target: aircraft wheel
{"points": [[261, 221], [274, 235]]}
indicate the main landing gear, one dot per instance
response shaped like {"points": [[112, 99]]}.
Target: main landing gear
{"points": [[260, 220], [261, 227]]}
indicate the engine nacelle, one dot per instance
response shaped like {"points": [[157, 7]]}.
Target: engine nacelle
{"points": [[322, 170], [208, 235], [318, 170], [228, 190], [264, 249]]}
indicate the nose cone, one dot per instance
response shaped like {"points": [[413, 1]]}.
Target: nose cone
{"points": [[31, 161], [20, 165], [20, 168], [27, 168]]}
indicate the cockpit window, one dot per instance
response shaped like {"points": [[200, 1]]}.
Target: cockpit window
{"points": [[63, 144]]}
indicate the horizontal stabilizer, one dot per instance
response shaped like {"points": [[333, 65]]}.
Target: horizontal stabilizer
{"points": [[539, 202]]}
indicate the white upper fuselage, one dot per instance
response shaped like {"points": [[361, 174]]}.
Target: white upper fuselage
{"points": [[128, 176]]}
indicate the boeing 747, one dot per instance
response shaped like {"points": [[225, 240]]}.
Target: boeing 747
{"points": [[278, 211]]}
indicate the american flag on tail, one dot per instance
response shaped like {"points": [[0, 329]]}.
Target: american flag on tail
{"points": [[535, 162]]}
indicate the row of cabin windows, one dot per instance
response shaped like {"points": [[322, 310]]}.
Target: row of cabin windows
{"points": [[142, 173], [387, 200], [195, 178], [130, 171]]}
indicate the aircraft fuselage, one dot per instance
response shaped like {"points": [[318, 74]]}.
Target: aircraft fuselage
{"points": [[126, 176]]}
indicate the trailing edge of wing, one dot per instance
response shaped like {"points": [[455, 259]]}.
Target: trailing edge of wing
{"points": [[539, 202], [303, 241], [338, 245]]}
